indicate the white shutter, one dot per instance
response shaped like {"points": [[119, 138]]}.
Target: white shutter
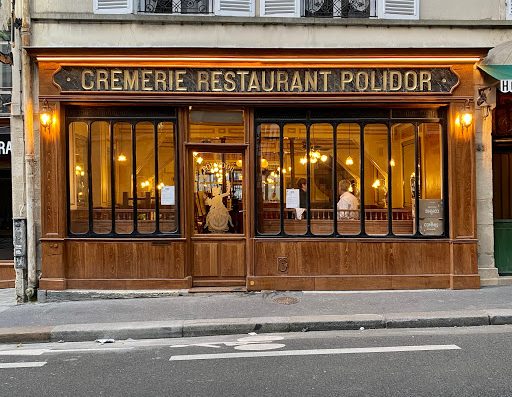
{"points": [[399, 9], [280, 8], [509, 9], [234, 7], [113, 6]]}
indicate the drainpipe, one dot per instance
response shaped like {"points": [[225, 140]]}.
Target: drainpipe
{"points": [[30, 166]]}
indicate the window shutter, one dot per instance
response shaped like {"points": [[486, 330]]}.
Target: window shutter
{"points": [[399, 9], [113, 6], [234, 7], [280, 8]]}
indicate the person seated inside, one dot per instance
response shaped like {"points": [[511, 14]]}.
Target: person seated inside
{"points": [[348, 204], [303, 192]]}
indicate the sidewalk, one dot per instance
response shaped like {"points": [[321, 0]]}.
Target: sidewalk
{"points": [[234, 313]]}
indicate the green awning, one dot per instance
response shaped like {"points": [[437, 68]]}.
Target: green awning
{"points": [[499, 72]]}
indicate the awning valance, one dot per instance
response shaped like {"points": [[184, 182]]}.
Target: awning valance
{"points": [[498, 62], [499, 72]]}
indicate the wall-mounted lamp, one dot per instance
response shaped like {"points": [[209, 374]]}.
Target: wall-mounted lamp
{"points": [[466, 118], [46, 115]]}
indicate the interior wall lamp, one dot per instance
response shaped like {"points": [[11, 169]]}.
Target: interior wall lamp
{"points": [[46, 115]]}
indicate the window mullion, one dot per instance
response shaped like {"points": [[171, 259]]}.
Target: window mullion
{"points": [[134, 177], [389, 198], [157, 183], [281, 178], [89, 176], [112, 180], [308, 178], [334, 176], [417, 155], [362, 181]]}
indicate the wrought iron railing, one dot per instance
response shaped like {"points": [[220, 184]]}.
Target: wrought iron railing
{"points": [[340, 8], [176, 6]]}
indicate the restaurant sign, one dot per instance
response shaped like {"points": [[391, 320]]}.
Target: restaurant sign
{"points": [[73, 79]]}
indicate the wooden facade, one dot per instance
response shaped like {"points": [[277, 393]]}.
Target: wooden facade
{"points": [[256, 262]]}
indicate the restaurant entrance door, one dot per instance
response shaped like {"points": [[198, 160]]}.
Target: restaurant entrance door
{"points": [[217, 217]]}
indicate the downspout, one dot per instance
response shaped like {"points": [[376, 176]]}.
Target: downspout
{"points": [[28, 117]]}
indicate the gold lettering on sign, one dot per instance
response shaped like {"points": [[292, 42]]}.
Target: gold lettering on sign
{"points": [[180, 74], [296, 82], [242, 74], [270, 86], [160, 80], [379, 79], [411, 80], [229, 82], [310, 81], [282, 80], [202, 80], [346, 77], [325, 75], [395, 85], [362, 81], [131, 80], [101, 79], [425, 80], [146, 79], [373, 82], [87, 79], [254, 83], [115, 80], [215, 81]]}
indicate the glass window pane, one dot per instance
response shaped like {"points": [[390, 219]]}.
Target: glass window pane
{"points": [[321, 174], [214, 126], [101, 182], [166, 176], [146, 183], [402, 165], [376, 178], [78, 177], [218, 193], [431, 211], [268, 181], [123, 179], [295, 160], [348, 151]]}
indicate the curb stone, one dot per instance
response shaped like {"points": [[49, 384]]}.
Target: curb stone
{"points": [[230, 326]]}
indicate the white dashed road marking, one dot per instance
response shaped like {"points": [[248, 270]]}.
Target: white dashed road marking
{"points": [[315, 352]]}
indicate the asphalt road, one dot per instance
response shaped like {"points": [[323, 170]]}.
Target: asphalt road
{"points": [[421, 362]]}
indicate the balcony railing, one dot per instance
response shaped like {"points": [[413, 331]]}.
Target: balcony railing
{"points": [[309, 8], [340, 8], [176, 6]]}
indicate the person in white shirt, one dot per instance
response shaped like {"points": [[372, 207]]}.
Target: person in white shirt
{"points": [[348, 204]]}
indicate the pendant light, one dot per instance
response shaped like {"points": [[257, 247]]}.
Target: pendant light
{"points": [[349, 160]]}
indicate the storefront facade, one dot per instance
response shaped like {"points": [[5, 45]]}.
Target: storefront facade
{"points": [[285, 170]]}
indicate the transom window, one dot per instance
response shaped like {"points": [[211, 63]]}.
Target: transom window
{"points": [[352, 172], [122, 172]]}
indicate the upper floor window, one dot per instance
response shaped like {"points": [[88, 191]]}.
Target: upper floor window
{"points": [[389, 9]]}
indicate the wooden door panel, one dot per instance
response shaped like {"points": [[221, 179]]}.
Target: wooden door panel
{"points": [[232, 259], [205, 260]]}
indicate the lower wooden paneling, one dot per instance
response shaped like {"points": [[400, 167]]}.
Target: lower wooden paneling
{"points": [[335, 257], [219, 259], [129, 283], [363, 265], [125, 260], [352, 283], [7, 275]]}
